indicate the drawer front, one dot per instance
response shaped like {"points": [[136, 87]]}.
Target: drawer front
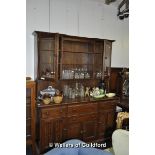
{"points": [[54, 112], [107, 106], [83, 118], [76, 110]]}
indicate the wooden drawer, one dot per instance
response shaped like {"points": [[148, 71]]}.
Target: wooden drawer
{"points": [[54, 112], [106, 106], [76, 110], [83, 118]]}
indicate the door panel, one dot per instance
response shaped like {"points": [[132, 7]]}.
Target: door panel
{"points": [[46, 134], [73, 130], [89, 130], [51, 132], [101, 125]]}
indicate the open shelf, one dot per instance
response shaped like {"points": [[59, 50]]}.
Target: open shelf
{"points": [[82, 52]]}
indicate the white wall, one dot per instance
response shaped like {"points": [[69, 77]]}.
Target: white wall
{"points": [[89, 18]]}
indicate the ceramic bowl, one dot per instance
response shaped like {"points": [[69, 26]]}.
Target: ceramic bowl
{"points": [[99, 96], [110, 94], [46, 100], [57, 99]]}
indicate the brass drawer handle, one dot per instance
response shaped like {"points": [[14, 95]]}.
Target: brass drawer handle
{"points": [[65, 129]]}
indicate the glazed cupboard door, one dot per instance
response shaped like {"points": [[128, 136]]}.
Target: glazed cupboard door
{"points": [[98, 59], [90, 129], [47, 47], [107, 57], [107, 62], [72, 130]]}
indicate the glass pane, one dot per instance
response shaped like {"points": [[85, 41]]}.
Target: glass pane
{"points": [[99, 47], [107, 57], [47, 64], [46, 57], [47, 44], [47, 70]]}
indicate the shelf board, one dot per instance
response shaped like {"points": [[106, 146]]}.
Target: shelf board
{"points": [[98, 53], [46, 63], [47, 79], [77, 64], [75, 79], [77, 40], [80, 79], [81, 52], [47, 38], [52, 50], [78, 52]]}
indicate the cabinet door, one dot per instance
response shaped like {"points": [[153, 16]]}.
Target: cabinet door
{"points": [[110, 118], [74, 131], [50, 132], [101, 125], [47, 45], [89, 130], [106, 119], [110, 122], [83, 127], [46, 134]]}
